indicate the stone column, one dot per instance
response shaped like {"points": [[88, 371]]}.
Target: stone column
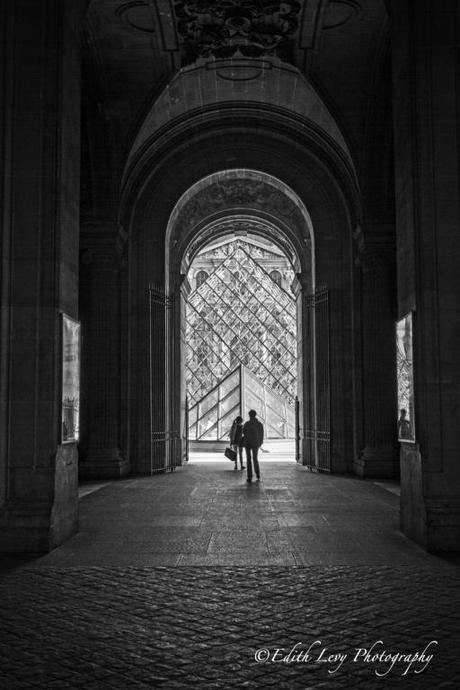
{"points": [[302, 289], [102, 456], [426, 92], [184, 291], [379, 456], [39, 197]]}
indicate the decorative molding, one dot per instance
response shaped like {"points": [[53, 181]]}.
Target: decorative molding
{"points": [[340, 12], [212, 28], [250, 224], [221, 253], [239, 193], [138, 15], [152, 17], [237, 28], [239, 72], [310, 31], [166, 25], [254, 117], [319, 15]]}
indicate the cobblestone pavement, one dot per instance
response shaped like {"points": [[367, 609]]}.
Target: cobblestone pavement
{"points": [[79, 618], [200, 627]]}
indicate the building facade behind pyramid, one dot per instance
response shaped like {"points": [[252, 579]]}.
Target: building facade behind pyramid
{"points": [[239, 315]]}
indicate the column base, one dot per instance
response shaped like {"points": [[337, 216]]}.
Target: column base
{"points": [[25, 527], [412, 502], [104, 463], [434, 523], [33, 526], [443, 525], [377, 462], [64, 511]]}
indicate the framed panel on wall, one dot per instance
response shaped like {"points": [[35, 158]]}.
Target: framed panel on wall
{"points": [[70, 399], [405, 374]]}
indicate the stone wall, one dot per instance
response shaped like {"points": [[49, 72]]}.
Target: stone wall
{"points": [[40, 237], [427, 134]]}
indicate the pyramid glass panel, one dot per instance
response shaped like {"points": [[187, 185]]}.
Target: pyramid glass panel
{"points": [[236, 394], [240, 315]]}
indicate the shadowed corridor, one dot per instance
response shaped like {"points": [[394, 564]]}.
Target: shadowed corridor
{"points": [[206, 514], [178, 580]]}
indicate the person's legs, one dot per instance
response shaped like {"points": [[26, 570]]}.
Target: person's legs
{"points": [[248, 463], [240, 450], [255, 452], [235, 448]]}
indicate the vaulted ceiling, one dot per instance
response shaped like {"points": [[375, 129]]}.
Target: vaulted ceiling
{"points": [[132, 49]]}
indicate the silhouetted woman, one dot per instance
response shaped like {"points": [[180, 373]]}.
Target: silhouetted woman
{"points": [[236, 440]]}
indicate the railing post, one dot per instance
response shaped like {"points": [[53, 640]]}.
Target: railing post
{"points": [[297, 429], [186, 419]]}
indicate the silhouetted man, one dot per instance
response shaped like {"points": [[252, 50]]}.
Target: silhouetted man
{"points": [[404, 426], [253, 437]]}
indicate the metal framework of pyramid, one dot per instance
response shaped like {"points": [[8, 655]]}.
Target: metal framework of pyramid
{"points": [[239, 315], [210, 419]]}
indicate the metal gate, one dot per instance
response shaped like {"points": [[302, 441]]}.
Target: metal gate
{"points": [[161, 457], [297, 430], [186, 428], [318, 432]]}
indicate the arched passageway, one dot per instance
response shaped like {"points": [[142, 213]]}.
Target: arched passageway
{"points": [[240, 338], [304, 196], [381, 193], [254, 202]]}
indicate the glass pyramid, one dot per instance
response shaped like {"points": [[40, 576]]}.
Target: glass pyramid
{"points": [[239, 315], [210, 419]]}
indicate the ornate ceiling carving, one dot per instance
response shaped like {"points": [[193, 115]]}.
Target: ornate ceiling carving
{"points": [[131, 51], [224, 28]]}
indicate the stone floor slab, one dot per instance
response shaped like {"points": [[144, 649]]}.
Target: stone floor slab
{"points": [[143, 597]]}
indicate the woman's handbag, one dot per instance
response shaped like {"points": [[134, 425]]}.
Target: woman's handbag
{"points": [[230, 454]]}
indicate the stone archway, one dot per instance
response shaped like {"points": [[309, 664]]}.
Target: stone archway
{"points": [[311, 160], [148, 247], [270, 208]]}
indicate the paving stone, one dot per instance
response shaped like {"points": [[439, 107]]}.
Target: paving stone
{"points": [[166, 625], [86, 617]]}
